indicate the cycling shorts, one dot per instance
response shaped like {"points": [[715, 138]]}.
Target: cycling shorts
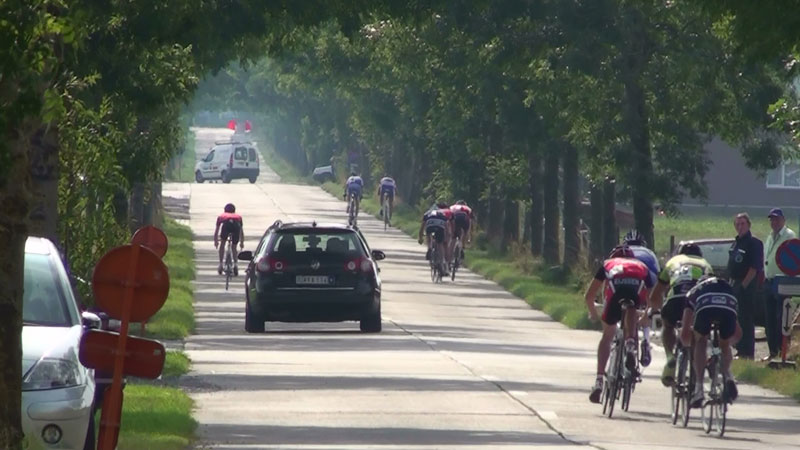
{"points": [[461, 222], [612, 309], [707, 315], [436, 228], [230, 228], [388, 191], [672, 311], [354, 189]]}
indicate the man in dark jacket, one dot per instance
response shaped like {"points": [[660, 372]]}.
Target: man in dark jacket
{"points": [[745, 260]]}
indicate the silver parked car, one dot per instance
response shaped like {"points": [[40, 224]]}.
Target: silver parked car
{"points": [[57, 391]]}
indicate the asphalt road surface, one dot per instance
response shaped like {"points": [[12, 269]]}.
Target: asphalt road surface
{"points": [[458, 365]]}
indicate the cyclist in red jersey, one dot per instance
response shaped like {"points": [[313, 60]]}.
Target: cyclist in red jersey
{"points": [[230, 224], [625, 278], [462, 219]]}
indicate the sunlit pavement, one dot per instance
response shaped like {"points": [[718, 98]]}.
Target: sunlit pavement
{"points": [[458, 365]]}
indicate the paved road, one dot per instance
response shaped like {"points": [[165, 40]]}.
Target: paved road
{"points": [[462, 365]]}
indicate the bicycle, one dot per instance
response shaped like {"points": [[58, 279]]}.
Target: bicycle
{"points": [[387, 213], [352, 210], [715, 409], [457, 258], [229, 267], [436, 262], [683, 386], [619, 381]]}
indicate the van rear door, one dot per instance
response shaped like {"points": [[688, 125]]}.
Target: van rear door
{"points": [[240, 158], [253, 157]]}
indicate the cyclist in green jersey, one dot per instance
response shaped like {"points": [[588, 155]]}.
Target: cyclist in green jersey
{"points": [[679, 275]]}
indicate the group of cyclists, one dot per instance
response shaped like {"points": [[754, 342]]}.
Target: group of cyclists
{"points": [[684, 292]]}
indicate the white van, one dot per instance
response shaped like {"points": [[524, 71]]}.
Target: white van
{"points": [[228, 161]]}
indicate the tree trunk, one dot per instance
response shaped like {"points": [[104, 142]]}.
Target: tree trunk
{"points": [[495, 213], [610, 233], [596, 225], [44, 165], [572, 242], [526, 226], [510, 223], [636, 56], [136, 207], [537, 201], [14, 210], [152, 214], [552, 227]]}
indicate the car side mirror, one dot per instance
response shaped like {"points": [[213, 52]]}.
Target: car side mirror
{"points": [[91, 320], [378, 255], [246, 255]]}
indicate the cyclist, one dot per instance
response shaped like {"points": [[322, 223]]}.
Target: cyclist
{"points": [[353, 185], [230, 224], [711, 300], [437, 221], [679, 275], [625, 278], [462, 217], [387, 187], [637, 243]]}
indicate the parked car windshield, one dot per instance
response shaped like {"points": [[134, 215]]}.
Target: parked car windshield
{"points": [[322, 242], [43, 301]]}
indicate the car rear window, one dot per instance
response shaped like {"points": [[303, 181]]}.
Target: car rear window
{"points": [[252, 153], [240, 153], [334, 243], [43, 300], [716, 254]]}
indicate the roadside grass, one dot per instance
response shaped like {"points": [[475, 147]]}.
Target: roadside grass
{"points": [[176, 363], [699, 226], [175, 320], [156, 418], [784, 381], [284, 169], [181, 168]]}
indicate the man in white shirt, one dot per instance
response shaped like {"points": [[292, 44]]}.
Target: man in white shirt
{"points": [[772, 301]]}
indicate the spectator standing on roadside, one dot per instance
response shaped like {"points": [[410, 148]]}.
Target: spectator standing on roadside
{"points": [[745, 260], [773, 301]]}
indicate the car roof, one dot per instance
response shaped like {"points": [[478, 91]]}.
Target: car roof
{"points": [[38, 245], [707, 241], [313, 226]]}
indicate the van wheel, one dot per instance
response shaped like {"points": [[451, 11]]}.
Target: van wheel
{"points": [[199, 177], [226, 178], [252, 180]]}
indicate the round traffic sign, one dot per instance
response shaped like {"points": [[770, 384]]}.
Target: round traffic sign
{"points": [[149, 282], [152, 238], [788, 257]]}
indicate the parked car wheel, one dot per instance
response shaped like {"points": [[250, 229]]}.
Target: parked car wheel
{"points": [[252, 323], [252, 180], [226, 177], [198, 176], [371, 323]]}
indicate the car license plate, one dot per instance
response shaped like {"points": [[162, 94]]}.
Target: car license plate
{"points": [[314, 279]]}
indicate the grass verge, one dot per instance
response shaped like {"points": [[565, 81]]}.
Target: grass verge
{"points": [[156, 418], [175, 320], [784, 381]]}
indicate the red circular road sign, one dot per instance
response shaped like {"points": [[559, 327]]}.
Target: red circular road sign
{"points": [[788, 257], [150, 282], [152, 238]]}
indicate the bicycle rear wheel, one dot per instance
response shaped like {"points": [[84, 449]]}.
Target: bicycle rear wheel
{"points": [[627, 390], [680, 402], [612, 382], [228, 267]]}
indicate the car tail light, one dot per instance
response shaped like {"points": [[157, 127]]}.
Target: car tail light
{"points": [[267, 264], [362, 264]]}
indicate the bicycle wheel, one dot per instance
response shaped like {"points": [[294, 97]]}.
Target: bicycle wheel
{"points": [[456, 260], [680, 402], [228, 267], [627, 390], [613, 380], [385, 214], [711, 389], [718, 404], [434, 267]]}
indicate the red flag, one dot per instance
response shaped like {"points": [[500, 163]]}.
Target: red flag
{"points": [[232, 124], [247, 126]]}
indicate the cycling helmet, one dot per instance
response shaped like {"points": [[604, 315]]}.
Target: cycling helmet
{"points": [[442, 205], [621, 251], [690, 249], [230, 208], [353, 173], [461, 202], [633, 237]]}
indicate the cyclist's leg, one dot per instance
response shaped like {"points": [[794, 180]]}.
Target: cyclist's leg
{"points": [[700, 358], [729, 334]]}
